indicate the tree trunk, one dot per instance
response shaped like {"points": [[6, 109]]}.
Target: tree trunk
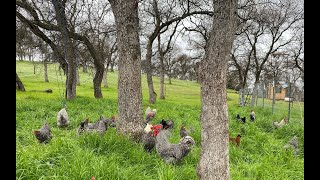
{"points": [[152, 94], [105, 79], [19, 85], [170, 80], [97, 80], [112, 65], [45, 67], [130, 114], [78, 77], [84, 67], [162, 96], [71, 81], [255, 92], [71, 74], [214, 159]]}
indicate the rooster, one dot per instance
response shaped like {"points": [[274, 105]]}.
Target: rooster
{"points": [[252, 116], [280, 124], [62, 118], [150, 114], [148, 138], [235, 140], [173, 153], [44, 134]]}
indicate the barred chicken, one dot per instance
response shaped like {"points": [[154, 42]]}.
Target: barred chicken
{"points": [[148, 141], [44, 134], [173, 153], [63, 118], [293, 144]]}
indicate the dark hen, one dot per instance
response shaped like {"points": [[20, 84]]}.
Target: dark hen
{"points": [[44, 134]]}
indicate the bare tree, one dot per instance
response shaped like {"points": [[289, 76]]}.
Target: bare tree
{"points": [[162, 18], [275, 20], [162, 52], [214, 159], [71, 82], [129, 80]]}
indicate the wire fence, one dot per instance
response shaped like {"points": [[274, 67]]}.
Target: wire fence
{"points": [[277, 98]]}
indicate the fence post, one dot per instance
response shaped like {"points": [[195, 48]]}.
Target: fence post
{"points": [[289, 111]]}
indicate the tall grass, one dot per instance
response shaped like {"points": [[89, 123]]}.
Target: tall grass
{"points": [[112, 156]]}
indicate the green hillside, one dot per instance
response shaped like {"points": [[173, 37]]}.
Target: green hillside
{"points": [[260, 156]]}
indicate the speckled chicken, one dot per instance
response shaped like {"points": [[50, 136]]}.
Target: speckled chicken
{"points": [[293, 144], [63, 118], [173, 153], [44, 134]]}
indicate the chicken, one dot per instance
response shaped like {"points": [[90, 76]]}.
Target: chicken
{"points": [[147, 129], [243, 120], [82, 127], [148, 138], [280, 124], [150, 114], [235, 140], [148, 141], [167, 124], [293, 144], [109, 122], [183, 131], [156, 129], [173, 153], [252, 116], [62, 118], [100, 126], [44, 134]]}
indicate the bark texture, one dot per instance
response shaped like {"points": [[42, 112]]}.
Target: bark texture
{"points": [[214, 160], [130, 118]]}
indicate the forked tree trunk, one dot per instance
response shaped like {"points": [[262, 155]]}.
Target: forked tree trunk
{"points": [[71, 74], [214, 159], [130, 114], [19, 85]]}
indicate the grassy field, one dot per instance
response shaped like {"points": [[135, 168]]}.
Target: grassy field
{"points": [[260, 156]]}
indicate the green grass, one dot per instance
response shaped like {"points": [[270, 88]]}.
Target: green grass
{"points": [[111, 156]]}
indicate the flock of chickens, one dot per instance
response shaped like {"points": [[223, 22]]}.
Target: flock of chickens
{"points": [[154, 136], [293, 143]]}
